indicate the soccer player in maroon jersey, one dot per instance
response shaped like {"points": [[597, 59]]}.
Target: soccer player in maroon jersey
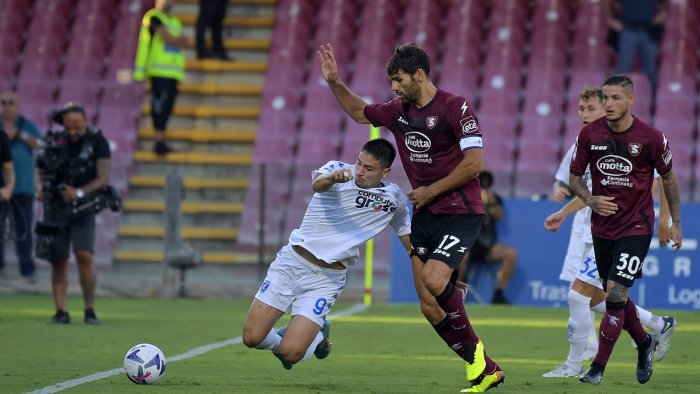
{"points": [[622, 152], [440, 145]]}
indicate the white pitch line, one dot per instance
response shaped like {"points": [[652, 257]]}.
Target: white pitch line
{"points": [[198, 351]]}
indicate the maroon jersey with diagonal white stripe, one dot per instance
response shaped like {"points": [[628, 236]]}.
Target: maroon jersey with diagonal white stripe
{"points": [[431, 141], [622, 166]]}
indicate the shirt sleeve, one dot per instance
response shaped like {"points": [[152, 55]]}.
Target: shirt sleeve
{"points": [[401, 222], [381, 114], [562, 174], [5, 153], [102, 150], [579, 158], [661, 154], [464, 124], [328, 168]]}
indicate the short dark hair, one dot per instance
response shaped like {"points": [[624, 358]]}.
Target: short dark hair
{"points": [[382, 150], [409, 58], [69, 108], [619, 80]]}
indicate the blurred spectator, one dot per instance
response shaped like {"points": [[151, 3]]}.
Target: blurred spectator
{"points": [[487, 248], [211, 14], [22, 135], [638, 28], [160, 59]]}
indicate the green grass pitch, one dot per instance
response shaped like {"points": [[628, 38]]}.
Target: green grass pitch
{"points": [[386, 349]]}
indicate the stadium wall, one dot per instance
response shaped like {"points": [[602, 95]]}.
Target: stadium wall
{"points": [[671, 280]]}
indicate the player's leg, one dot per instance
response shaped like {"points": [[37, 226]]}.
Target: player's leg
{"points": [[508, 257], [258, 331], [428, 304]]}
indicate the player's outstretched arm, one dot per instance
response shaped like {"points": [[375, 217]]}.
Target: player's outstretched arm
{"points": [[555, 220], [351, 103], [323, 182], [673, 198]]}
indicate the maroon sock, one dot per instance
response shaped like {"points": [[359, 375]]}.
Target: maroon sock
{"points": [[453, 338], [610, 329], [633, 325], [490, 365], [452, 303]]}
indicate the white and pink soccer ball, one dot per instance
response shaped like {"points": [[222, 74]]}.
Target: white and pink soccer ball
{"points": [[144, 364]]}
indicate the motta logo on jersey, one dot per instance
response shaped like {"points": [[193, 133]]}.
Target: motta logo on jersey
{"points": [[417, 142], [378, 203], [613, 165]]}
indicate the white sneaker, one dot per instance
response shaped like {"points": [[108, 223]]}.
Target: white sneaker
{"points": [[562, 371], [591, 351], [664, 337]]}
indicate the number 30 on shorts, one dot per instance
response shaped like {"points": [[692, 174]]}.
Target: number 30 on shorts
{"points": [[630, 264]]}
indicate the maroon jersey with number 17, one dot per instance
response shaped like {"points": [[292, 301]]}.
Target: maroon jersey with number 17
{"points": [[431, 141], [622, 166]]}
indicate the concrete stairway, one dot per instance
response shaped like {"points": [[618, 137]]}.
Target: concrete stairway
{"points": [[212, 131]]}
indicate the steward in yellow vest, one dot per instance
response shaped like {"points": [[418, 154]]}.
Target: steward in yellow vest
{"points": [[160, 59]]}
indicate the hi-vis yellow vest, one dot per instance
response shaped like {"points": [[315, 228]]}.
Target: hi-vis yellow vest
{"points": [[155, 58]]}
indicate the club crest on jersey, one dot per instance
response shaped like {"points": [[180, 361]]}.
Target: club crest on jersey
{"points": [[634, 149], [431, 121]]}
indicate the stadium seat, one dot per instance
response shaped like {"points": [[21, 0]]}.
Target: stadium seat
{"points": [[116, 94], [83, 69], [36, 92], [82, 92], [644, 96], [420, 27], [459, 67], [277, 134]]}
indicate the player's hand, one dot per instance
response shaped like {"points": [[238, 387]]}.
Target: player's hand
{"points": [[602, 205], [5, 194], [676, 236], [421, 197], [341, 176], [616, 25], [664, 233], [68, 193], [554, 221], [328, 65], [560, 193], [462, 288]]}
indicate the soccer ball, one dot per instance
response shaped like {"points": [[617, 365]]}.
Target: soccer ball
{"points": [[144, 364]]}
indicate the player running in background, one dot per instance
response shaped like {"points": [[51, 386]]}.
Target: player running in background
{"points": [[586, 292], [439, 142], [622, 152], [352, 204]]}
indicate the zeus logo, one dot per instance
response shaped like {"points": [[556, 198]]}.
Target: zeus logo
{"points": [[464, 107]]}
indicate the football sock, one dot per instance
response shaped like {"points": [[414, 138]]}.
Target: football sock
{"points": [[593, 333], [490, 365], [579, 328], [649, 320], [271, 341], [610, 329], [633, 326], [452, 303], [312, 347], [600, 308]]}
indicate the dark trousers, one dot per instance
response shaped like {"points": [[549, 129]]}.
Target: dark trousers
{"points": [[21, 206], [163, 94], [211, 14]]}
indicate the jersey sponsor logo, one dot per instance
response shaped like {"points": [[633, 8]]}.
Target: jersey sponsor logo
{"points": [[667, 156], [417, 142], [634, 149], [402, 120], [377, 203], [616, 181], [469, 125], [599, 147], [431, 121], [613, 165]]}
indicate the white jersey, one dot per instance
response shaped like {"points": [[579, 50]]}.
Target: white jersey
{"points": [[337, 221], [582, 220]]}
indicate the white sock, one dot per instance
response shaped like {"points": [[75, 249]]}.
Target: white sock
{"points": [[271, 341], [600, 308], [579, 327], [593, 334], [312, 347], [650, 321]]}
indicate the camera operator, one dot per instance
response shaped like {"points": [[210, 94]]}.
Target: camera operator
{"points": [[85, 171]]}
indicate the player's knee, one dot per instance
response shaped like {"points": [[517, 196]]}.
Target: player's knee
{"points": [[250, 338], [618, 294], [291, 353]]}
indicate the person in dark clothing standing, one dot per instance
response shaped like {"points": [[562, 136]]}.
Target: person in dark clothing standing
{"points": [[211, 14]]}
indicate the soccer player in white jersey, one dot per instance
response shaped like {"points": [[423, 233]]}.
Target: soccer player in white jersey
{"points": [[352, 204], [586, 293]]}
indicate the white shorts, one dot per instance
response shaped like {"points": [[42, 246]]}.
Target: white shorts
{"points": [[292, 283], [579, 263]]}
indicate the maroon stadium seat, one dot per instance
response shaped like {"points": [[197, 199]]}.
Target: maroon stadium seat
{"points": [[36, 92], [126, 95], [420, 25], [85, 93], [459, 64]]}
